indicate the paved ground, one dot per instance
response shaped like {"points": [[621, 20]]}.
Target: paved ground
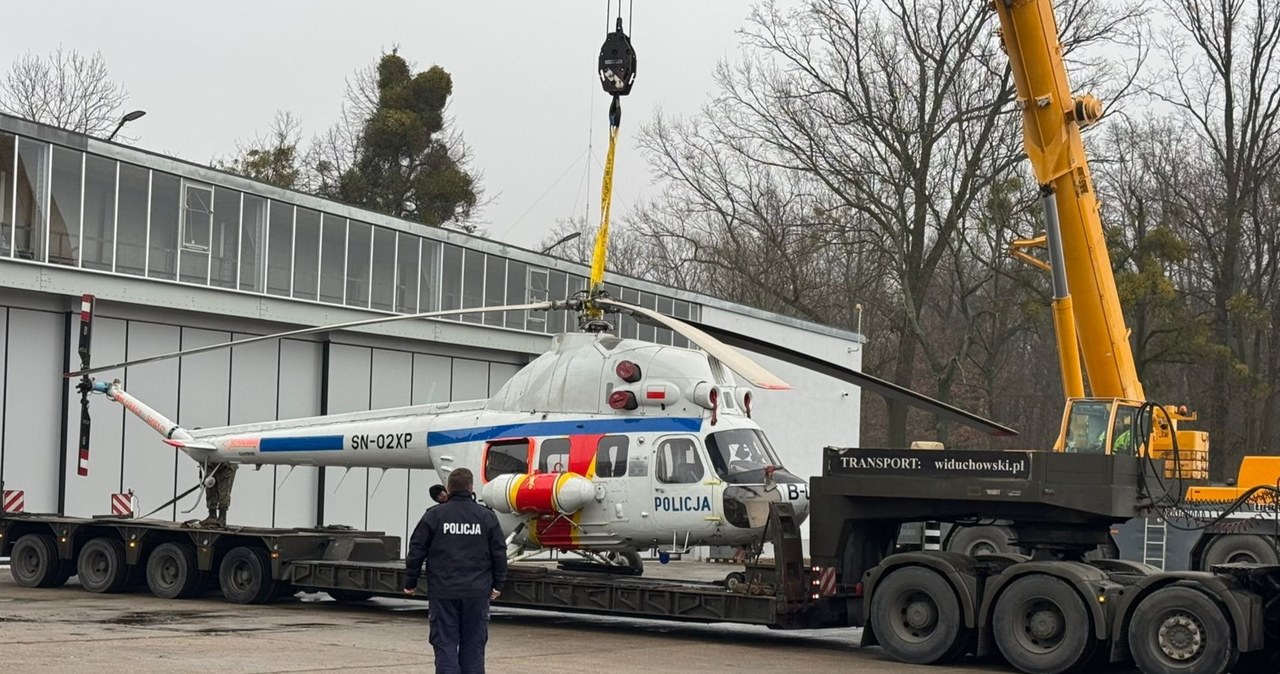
{"points": [[70, 630]]}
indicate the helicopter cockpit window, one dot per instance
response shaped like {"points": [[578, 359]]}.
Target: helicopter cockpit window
{"points": [[740, 455], [611, 456], [506, 456], [678, 462], [554, 455], [1087, 428]]}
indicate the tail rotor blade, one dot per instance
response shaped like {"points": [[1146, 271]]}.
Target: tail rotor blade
{"points": [[86, 384]]}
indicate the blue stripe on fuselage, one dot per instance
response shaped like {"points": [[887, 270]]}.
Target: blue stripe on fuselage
{"points": [[554, 428], [313, 443]]}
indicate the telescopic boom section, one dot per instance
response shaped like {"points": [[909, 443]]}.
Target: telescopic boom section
{"points": [[1051, 129]]}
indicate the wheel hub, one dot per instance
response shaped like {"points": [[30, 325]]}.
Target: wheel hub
{"points": [[1181, 637], [920, 613]]}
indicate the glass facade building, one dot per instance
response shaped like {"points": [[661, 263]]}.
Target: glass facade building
{"points": [[69, 200]]}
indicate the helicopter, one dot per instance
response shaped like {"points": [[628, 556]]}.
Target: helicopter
{"points": [[602, 446]]}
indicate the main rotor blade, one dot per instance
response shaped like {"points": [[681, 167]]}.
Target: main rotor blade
{"points": [[887, 389], [753, 372], [539, 306]]}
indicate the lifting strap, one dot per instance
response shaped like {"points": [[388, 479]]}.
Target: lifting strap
{"points": [[617, 70]]}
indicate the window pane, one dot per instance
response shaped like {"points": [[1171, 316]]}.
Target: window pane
{"points": [[333, 258], [131, 230], [495, 286], [559, 292], [166, 209], [8, 157], [517, 279], [553, 455], [197, 225], [628, 328], [666, 307], [64, 206], [384, 269], [451, 279], [472, 284], [678, 462], [279, 248], [306, 254], [33, 190], [537, 320], [99, 213], [359, 243], [646, 332], [611, 456], [253, 237], [506, 456], [224, 239], [407, 274], [429, 285], [682, 311]]}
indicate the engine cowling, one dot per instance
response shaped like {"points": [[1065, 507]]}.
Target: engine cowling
{"points": [[538, 493]]}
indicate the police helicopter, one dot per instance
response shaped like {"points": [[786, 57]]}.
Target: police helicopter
{"points": [[601, 446]]}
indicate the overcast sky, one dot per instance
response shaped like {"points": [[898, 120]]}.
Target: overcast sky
{"points": [[525, 91]]}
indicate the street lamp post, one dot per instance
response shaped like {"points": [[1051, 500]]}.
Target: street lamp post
{"points": [[126, 119], [564, 239]]}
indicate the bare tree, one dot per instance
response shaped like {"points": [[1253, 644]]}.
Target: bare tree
{"points": [[65, 89], [1223, 78], [271, 158]]}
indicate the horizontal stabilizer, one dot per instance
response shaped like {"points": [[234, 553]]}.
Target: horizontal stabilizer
{"points": [[189, 444]]}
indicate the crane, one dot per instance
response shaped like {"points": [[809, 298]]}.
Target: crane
{"points": [[1088, 319]]}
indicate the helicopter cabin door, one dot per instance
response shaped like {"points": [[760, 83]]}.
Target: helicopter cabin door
{"points": [[683, 496]]}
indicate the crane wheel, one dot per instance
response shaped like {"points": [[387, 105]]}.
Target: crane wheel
{"points": [[1042, 625], [1234, 548], [101, 565], [245, 576], [172, 572], [1181, 630], [916, 617], [34, 562]]}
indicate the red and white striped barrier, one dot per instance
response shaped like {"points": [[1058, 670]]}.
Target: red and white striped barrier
{"points": [[824, 581], [124, 505], [12, 501]]}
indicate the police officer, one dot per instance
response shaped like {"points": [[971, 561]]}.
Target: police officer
{"points": [[438, 493], [466, 556]]}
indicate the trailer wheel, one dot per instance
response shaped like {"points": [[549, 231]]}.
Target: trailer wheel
{"points": [[34, 562], [980, 540], [1235, 548], [101, 565], [245, 576], [1042, 625], [916, 617], [349, 596], [1180, 630], [733, 579], [172, 572]]}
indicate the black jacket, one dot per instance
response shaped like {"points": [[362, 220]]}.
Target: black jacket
{"points": [[463, 546]]}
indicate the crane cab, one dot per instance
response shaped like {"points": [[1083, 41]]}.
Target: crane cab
{"points": [[1134, 428]]}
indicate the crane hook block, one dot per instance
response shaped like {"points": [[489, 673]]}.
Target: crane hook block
{"points": [[617, 63]]}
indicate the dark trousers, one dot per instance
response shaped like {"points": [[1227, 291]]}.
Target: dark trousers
{"points": [[459, 631]]}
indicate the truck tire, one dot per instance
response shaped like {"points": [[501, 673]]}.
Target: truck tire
{"points": [[1234, 548], [1181, 630], [980, 540], [245, 576], [101, 565], [34, 562], [1042, 625], [172, 572], [916, 617]]}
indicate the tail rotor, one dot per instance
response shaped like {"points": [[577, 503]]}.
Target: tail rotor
{"points": [[86, 384]]}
